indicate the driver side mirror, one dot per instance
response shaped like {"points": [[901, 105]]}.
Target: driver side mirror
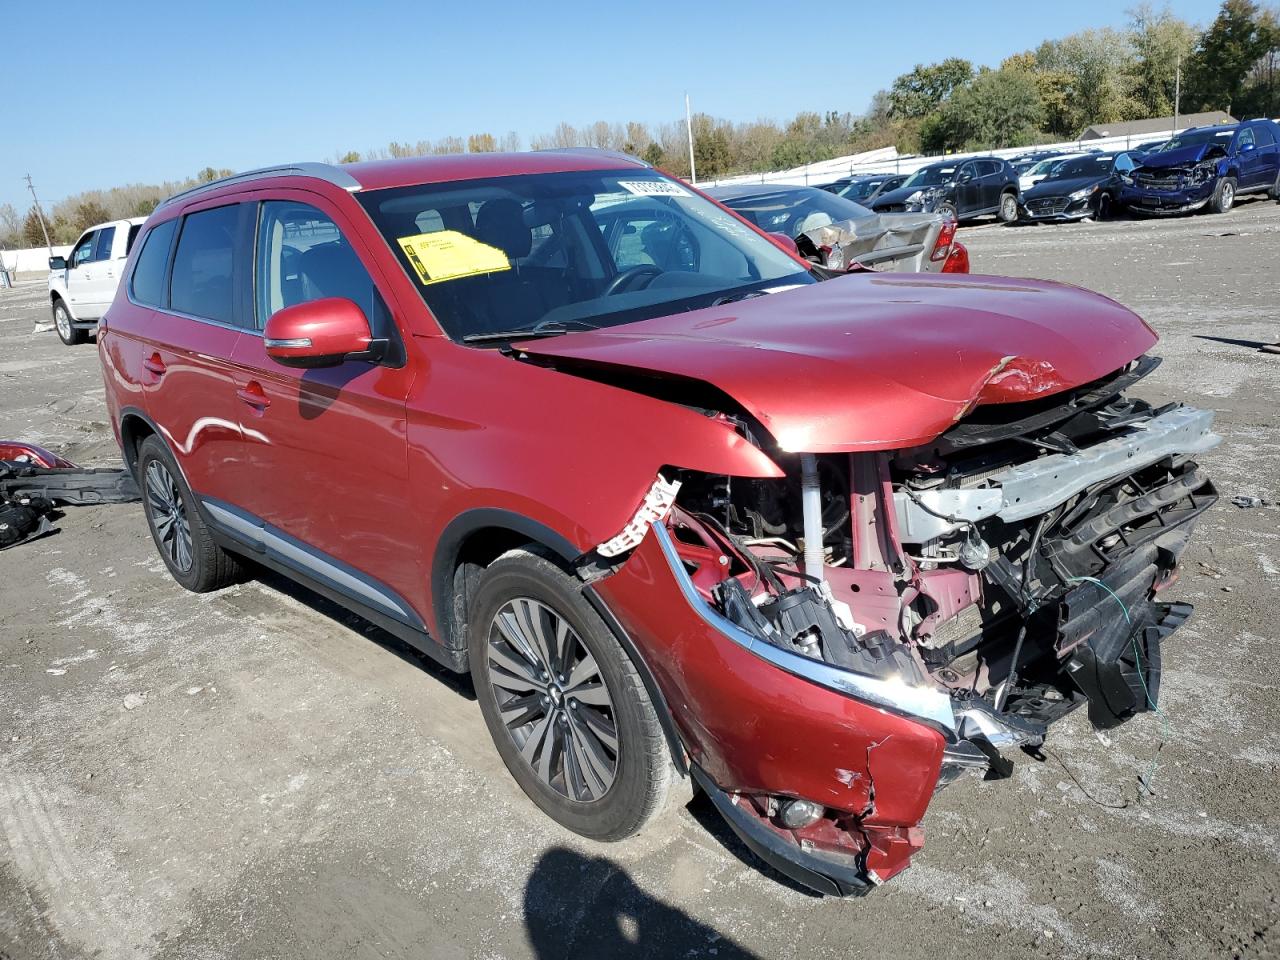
{"points": [[321, 333], [1246, 147], [57, 263], [964, 177], [787, 243]]}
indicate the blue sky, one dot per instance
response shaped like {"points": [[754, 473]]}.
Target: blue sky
{"points": [[145, 91]]}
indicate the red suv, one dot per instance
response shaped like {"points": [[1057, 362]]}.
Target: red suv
{"points": [[681, 502]]}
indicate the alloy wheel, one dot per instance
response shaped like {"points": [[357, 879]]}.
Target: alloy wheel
{"points": [[553, 700], [1228, 196], [168, 515], [62, 320]]}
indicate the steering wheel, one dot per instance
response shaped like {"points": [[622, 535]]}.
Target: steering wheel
{"points": [[626, 277]]}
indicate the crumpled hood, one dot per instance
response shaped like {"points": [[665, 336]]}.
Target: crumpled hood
{"points": [[900, 195], [1060, 188], [1181, 157], [871, 361]]}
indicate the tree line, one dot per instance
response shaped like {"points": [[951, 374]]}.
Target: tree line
{"points": [[1052, 92]]}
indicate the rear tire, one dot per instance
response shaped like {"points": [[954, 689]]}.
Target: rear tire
{"points": [[1224, 195], [1275, 188], [1007, 212], [559, 694], [180, 534], [62, 322]]}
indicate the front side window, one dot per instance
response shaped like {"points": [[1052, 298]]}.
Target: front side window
{"points": [[102, 244], [303, 256], [202, 283], [83, 251], [1246, 138], [147, 283], [543, 253]]}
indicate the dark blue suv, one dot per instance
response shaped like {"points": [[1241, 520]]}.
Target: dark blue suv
{"points": [[1207, 167]]}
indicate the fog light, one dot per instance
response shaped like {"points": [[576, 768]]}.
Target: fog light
{"points": [[795, 814]]}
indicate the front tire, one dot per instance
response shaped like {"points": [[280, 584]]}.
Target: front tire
{"points": [[947, 209], [564, 704], [1275, 188], [62, 322], [1224, 195], [1007, 212], [180, 534]]}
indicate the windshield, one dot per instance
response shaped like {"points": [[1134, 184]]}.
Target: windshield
{"points": [[571, 250], [797, 210], [1042, 168], [1193, 137], [931, 176], [1081, 167]]}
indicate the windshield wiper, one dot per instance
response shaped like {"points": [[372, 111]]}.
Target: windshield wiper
{"points": [[735, 297], [553, 328]]}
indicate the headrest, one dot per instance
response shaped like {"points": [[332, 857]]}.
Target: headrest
{"points": [[500, 223]]}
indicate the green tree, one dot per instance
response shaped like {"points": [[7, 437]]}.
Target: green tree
{"points": [[653, 154], [351, 156], [1000, 108], [1227, 53], [919, 92], [1094, 68], [1160, 42], [86, 214], [209, 174], [32, 232]]}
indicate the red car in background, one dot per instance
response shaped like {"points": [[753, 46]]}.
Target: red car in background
{"points": [[819, 541]]}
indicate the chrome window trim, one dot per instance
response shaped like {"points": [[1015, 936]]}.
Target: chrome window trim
{"points": [[927, 704]]}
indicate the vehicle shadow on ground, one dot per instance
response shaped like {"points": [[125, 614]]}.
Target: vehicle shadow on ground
{"points": [[458, 683], [1233, 342], [590, 907]]}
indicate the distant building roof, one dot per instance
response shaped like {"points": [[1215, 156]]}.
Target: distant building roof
{"points": [[1154, 125]]}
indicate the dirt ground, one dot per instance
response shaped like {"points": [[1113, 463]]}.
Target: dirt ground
{"points": [[254, 774]]}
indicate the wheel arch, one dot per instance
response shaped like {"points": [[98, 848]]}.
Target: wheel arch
{"points": [[135, 426], [476, 538]]}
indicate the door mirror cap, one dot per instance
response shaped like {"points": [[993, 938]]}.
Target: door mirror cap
{"points": [[320, 333], [57, 263], [963, 177], [1246, 147]]}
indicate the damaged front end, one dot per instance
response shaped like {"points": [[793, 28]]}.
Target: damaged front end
{"points": [[938, 605]]}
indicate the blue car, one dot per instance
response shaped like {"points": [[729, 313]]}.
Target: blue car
{"points": [[1207, 167]]}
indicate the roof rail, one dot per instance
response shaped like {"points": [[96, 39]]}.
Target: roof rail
{"points": [[321, 171], [601, 151]]}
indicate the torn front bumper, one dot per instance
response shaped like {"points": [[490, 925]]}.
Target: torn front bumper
{"points": [[900, 242], [1157, 202]]}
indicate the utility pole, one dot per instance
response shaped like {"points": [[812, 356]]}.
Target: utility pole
{"points": [[1177, 92], [40, 215], [688, 123]]}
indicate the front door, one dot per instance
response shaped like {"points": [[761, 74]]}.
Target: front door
{"points": [[968, 190], [328, 450], [79, 275]]}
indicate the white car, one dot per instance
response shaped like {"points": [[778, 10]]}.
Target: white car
{"points": [[82, 286], [1041, 170]]}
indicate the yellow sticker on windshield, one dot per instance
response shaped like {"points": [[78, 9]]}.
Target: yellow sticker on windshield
{"points": [[448, 255]]}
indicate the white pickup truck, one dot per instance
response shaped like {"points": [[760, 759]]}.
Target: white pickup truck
{"points": [[82, 286]]}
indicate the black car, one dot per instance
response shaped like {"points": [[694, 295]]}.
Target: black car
{"points": [[865, 187], [965, 189], [1080, 187]]}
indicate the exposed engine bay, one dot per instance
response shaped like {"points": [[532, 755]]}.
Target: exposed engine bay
{"points": [[1017, 561]]}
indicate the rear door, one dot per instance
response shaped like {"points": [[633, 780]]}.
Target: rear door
{"points": [[188, 387], [327, 448]]}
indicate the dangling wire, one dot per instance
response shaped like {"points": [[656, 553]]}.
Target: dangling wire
{"points": [[1142, 679]]}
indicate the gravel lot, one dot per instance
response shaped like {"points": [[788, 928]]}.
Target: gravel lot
{"points": [[254, 774]]}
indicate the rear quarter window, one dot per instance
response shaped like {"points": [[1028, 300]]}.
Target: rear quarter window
{"points": [[147, 284]]}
